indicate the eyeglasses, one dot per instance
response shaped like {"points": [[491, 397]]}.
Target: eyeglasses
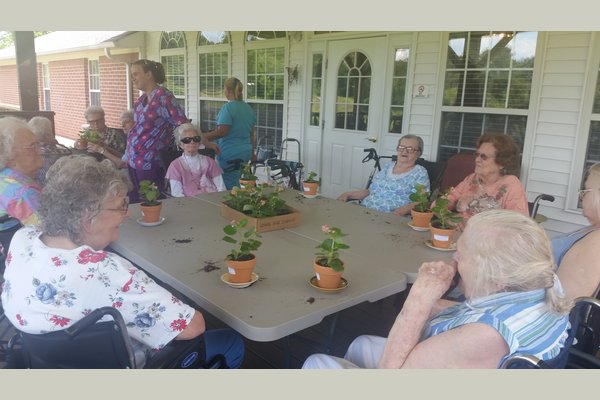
{"points": [[582, 193], [124, 207], [188, 140], [34, 146], [95, 121], [482, 155], [408, 149]]}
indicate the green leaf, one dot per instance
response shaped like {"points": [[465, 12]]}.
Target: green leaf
{"points": [[230, 230], [342, 246], [229, 239]]}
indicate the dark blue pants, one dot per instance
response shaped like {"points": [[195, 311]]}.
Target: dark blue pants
{"points": [[227, 342]]}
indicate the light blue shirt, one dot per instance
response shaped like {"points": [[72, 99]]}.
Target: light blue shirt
{"points": [[389, 191]]}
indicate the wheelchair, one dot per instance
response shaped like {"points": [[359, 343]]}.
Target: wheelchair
{"points": [[91, 343]]}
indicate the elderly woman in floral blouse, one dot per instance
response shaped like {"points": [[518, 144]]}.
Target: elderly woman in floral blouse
{"points": [[57, 274]]}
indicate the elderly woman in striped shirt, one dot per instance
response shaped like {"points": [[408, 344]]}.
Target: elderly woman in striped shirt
{"points": [[514, 304]]}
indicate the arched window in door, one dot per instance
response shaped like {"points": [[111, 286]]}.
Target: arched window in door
{"points": [[353, 92]]}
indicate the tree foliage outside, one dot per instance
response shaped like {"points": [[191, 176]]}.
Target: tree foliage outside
{"points": [[7, 38]]}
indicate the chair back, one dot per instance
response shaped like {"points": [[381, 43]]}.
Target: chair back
{"points": [[458, 167], [86, 344], [585, 351], [435, 172]]}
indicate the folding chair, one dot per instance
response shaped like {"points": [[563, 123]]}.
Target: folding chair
{"points": [[92, 344]]}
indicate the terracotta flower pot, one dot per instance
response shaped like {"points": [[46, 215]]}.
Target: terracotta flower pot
{"points": [[240, 271], [80, 144], [150, 213], [310, 188], [327, 278], [244, 183], [421, 219], [441, 238]]}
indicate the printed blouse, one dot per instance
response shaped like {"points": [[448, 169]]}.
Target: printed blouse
{"points": [[155, 116], [472, 197], [48, 289], [389, 191]]}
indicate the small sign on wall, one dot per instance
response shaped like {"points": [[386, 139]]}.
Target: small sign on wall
{"points": [[421, 91]]}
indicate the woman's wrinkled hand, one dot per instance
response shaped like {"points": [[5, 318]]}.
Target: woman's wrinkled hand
{"points": [[434, 279], [95, 148], [343, 197]]}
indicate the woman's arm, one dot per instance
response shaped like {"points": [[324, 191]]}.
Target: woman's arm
{"points": [[195, 328], [432, 282], [96, 148], [515, 197], [579, 269], [176, 188], [218, 133], [356, 195], [474, 345]]}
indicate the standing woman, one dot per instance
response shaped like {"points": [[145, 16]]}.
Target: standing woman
{"points": [[235, 131], [156, 114]]}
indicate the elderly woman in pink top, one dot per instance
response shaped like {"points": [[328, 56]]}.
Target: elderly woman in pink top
{"points": [[494, 183], [193, 173]]}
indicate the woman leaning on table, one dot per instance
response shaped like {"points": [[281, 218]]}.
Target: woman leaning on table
{"points": [[494, 183], [392, 186], [234, 133], [60, 272], [157, 114], [514, 303], [576, 253]]}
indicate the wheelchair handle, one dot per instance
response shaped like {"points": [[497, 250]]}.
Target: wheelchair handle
{"points": [[372, 155]]}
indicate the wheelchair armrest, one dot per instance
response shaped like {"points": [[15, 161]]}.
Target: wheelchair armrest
{"points": [[92, 318]]}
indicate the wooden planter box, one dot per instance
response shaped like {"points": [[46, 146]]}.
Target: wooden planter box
{"points": [[264, 224]]}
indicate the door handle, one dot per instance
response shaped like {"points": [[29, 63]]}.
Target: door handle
{"points": [[372, 139]]}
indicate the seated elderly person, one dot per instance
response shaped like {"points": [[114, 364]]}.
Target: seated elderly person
{"points": [[51, 149], [113, 139], [20, 161], [392, 186], [58, 273], [494, 183], [127, 121], [514, 304], [576, 253], [193, 173]]}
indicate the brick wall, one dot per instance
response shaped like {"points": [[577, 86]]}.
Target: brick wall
{"points": [[68, 95], [113, 88], [9, 87]]}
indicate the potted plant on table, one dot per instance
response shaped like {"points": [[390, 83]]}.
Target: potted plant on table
{"points": [[241, 261], [444, 222], [248, 179], [311, 184], [150, 206], [421, 212], [327, 265]]}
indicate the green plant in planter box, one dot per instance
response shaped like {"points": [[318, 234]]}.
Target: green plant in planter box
{"points": [[328, 255], [149, 193], [312, 178], [258, 202], [246, 242], [421, 197], [247, 172], [443, 217]]}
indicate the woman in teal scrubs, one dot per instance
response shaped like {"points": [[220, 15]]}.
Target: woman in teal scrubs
{"points": [[235, 132]]}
